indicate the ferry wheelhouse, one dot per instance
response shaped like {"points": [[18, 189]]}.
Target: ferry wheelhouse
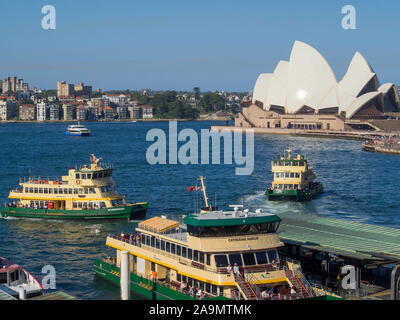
{"points": [[294, 179], [213, 255], [14, 279], [77, 130], [87, 192]]}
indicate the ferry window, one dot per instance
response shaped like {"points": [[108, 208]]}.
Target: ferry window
{"points": [[168, 246], [94, 175], [31, 190], [65, 191], [286, 186], [3, 277], [196, 255], [272, 255], [45, 190], [292, 174], [162, 245], [184, 252], [86, 190], [147, 240], [77, 176], [50, 190], [79, 204], [214, 289], [295, 186], [153, 242], [80, 191], [36, 190], [83, 176], [70, 190], [287, 175], [201, 260], [297, 175], [208, 258], [178, 277], [89, 176], [100, 174], [221, 260], [178, 250], [143, 238], [301, 163], [91, 190], [190, 254], [261, 257], [75, 191], [290, 186], [248, 259], [102, 204], [221, 291], [173, 246], [287, 163], [74, 205], [235, 258], [26, 189]]}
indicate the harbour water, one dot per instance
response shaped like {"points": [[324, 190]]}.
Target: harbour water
{"points": [[359, 186]]}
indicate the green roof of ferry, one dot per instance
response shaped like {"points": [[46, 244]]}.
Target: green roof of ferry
{"points": [[200, 221]]}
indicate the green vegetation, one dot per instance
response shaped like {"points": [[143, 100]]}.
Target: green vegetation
{"points": [[167, 105]]}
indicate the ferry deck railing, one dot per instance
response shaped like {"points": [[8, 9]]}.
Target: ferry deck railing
{"points": [[298, 272], [41, 179], [134, 239]]}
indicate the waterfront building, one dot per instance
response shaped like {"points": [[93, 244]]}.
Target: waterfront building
{"points": [[55, 112], [123, 113], [8, 110], [147, 112], [82, 90], [91, 113], [135, 112], [118, 99], [304, 92], [42, 111], [27, 112], [69, 112], [108, 113], [81, 113], [64, 89]]}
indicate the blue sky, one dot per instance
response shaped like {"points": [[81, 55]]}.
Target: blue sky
{"points": [[178, 45]]}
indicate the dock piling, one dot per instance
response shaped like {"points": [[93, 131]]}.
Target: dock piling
{"points": [[125, 290]]}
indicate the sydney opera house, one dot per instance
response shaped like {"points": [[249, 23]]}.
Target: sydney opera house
{"points": [[304, 93]]}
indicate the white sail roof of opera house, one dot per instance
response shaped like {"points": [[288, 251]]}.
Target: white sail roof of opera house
{"points": [[308, 80]]}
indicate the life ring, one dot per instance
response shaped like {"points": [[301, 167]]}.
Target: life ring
{"points": [[78, 181]]}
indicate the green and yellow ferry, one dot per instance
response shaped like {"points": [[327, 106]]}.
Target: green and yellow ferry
{"points": [[87, 192], [212, 255], [293, 179]]}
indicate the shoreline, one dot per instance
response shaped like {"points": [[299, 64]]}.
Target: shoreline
{"points": [[347, 135], [114, 121]]}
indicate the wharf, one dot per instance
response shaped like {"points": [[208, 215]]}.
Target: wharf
{"points": [[348, 135]]}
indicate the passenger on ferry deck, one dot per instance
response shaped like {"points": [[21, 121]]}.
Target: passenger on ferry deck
{"points": [[199, 294], [154, 276], [229, 268], [191, 291], [236, 270]]}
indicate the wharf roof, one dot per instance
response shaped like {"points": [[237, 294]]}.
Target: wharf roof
{"points": [[340, 237]]}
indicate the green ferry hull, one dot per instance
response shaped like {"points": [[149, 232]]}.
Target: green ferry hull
{"points": [[293, 195], [139, 285], [129, 211]]}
